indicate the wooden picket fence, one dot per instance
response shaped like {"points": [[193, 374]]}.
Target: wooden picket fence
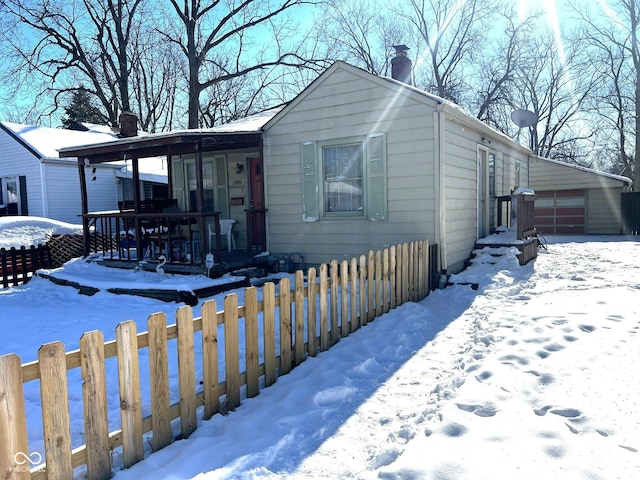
{"points": [[337, 297]]}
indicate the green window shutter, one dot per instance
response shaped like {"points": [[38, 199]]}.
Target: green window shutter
{"points": [[309, 183], [377, 178]]}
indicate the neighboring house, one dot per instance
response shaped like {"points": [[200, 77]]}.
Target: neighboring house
{"points": [[576, 200], [36, 181], [358, 162]]}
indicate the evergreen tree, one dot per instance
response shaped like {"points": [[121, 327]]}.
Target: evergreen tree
{"points": [[81, 110]]}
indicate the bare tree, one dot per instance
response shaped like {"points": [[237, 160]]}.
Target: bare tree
{"points": [[85, 42], [219, 42], [360, 33], [616, 56], [555, 88], [452, 33], [497, 69]]}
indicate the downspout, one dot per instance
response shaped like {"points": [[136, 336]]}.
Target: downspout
{"points": [[441, 210]]}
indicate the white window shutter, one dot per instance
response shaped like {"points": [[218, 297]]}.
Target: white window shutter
{"points": [[377, 178], [311, 211]]}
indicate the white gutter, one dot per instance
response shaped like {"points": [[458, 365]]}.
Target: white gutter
{"points": [[441, 210]]}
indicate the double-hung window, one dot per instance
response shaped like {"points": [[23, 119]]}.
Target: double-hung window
{"points": [[342, 174], [345, 178]]}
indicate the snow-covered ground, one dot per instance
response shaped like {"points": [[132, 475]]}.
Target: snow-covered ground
{"points": [[533, 375]]}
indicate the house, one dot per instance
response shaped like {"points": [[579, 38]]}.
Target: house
{"points": [[576, 200], [358, 162], [36, 181]]}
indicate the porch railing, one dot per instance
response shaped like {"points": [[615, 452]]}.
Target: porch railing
{"points": [[182, 237]]}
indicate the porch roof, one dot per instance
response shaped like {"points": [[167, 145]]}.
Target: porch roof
{"points": [[154, 145], [243, 133]]}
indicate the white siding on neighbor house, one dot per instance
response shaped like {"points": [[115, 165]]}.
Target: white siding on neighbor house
{"points": [[603, 214], [344, 105], [63, 190], [17, 160]]}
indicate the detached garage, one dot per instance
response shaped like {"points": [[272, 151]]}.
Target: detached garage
{"points": [[576, 200]]}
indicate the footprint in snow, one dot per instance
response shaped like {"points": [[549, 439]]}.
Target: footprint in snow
{"points": [[587, 328], [563, 412], [487, 410], [543, 378]]}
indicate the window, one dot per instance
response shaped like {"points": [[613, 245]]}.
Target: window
{"points": [[492, 174], [342, 172], [214, 182], [345, 178]]}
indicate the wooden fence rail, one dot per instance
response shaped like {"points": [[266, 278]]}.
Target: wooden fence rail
{"points": [[328, 306], [17, 265]]}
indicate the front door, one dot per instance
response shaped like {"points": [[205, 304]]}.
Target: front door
{"points": [[11, 195], [256, 213]]}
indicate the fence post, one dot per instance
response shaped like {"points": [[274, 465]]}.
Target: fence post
{"points": [[324, 308], [251, 340], [392, 276], [129, 383], [335, 332], [211, 387], [285, 326], [269, 315], [385, 280], [353, 278], [311, 311], [299, 317], [405, 272], [379, 287], [55, 410], [186, 371], [363, 291], [344, 302], [231, 354], [13, 420], [94, 396], [159, 379], [371, 284]]}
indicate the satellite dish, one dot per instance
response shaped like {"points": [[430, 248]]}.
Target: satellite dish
{"points": [[523, 118]]}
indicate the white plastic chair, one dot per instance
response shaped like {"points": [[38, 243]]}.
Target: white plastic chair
{"points": [[226, 230]]}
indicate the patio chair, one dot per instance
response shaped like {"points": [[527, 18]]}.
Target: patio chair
{"points": [[226, 230]]}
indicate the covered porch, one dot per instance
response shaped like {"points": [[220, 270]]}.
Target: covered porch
{"points": [[215, 201]]}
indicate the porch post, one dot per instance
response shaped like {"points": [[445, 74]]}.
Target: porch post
{"points": [[136, 206], [85, 207], [200, 199]]}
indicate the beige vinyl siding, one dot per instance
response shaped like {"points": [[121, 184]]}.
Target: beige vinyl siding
{"points": [[460, 193], [603, 211], [551, 176], [349, 105]]}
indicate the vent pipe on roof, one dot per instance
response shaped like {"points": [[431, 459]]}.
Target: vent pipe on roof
{"points": [[128, 124], [401, 65]]}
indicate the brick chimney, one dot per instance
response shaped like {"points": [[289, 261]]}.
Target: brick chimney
{"points": [[128, 124], [401, 65]]}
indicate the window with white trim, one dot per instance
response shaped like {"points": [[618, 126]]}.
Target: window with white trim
{"points": [[345, 178]]}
